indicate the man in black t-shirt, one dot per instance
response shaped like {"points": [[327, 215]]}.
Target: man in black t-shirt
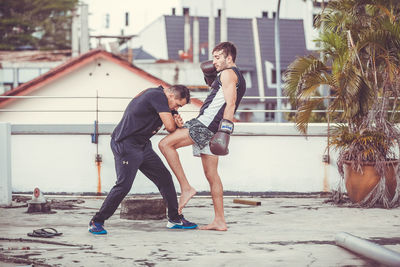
{"points": [[131, 146]]}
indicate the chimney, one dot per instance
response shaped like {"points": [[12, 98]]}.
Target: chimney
{"points": [[186, 30], [75, 34], [224, 23], [84, 36], [211, 30], [173, 11]]}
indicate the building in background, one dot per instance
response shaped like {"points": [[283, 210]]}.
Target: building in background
{"points": [[18, 67], [70, 92], [165, 39]]}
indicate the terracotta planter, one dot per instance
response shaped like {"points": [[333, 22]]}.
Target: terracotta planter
{"points": [[359, 185]]}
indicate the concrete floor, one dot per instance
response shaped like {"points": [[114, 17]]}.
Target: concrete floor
{"points": [[283, 231]]}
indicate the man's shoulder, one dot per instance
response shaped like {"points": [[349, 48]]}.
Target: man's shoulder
{"points": [[228, 75], [154, 94]]}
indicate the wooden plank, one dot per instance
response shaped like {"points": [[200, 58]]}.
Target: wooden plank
{"points": [[247, 202]]}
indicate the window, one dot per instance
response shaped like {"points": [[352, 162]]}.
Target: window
{"points": [[185, 11], [265, 14], [126, 18], [270, 116], [25, 74], [107, 21], [273, 76], [247, 78]]}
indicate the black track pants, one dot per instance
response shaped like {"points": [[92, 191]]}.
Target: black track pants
{"points": [[129, 159]]}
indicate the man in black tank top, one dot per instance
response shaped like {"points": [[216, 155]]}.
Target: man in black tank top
{"points": [[228, 89]]}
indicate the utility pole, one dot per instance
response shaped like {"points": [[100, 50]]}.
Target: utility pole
{"points": [[278, 115]]}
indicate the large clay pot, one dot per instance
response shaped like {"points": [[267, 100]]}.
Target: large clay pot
{"points": [[359, 185]]}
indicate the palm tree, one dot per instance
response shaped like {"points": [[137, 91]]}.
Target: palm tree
{"points": [[360, 41]]}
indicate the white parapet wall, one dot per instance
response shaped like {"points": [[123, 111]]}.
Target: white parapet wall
{"points": [[263, 157], [5, 164]]}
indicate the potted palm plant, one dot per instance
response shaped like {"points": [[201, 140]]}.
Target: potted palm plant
{"points": [[360, 64]]}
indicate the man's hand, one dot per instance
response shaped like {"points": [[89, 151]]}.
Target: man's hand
{"points": [[178, 120], [220, 141]]}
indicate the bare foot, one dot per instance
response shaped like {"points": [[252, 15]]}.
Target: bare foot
{"points": [[185, 197], [215, 226]]}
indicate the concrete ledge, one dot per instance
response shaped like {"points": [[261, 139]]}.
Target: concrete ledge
{"points": [[143, 209]]}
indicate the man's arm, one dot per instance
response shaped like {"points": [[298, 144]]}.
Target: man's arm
{"points": [[228, 80], [168, 121]]}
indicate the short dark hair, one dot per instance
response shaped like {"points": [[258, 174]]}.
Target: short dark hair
{"points": [[181, 91], [228, 48]]}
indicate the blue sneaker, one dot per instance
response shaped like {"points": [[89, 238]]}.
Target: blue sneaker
{"points": [[182, 224], [97, 228]]}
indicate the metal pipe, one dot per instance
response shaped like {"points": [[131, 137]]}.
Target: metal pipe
{"points": [[84, 36], [186, 30], [211, 31], [196, 40], [223, 23], [278, 117], [368, 249], [257, 53]]}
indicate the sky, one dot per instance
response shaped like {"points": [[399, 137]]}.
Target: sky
{"points": [[141, 13]]}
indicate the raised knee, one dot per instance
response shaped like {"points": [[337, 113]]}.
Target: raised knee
{"points": [[162, 145]]}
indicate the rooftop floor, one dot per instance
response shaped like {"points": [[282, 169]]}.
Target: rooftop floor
{"points": [[282, 231]]}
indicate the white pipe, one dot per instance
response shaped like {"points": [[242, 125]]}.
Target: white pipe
{"points": [[211, 30], [257, 52], [84, 37], [278, 115], [368, 249], [186, 31], [224, 23], [196, 40], [75, 35]]}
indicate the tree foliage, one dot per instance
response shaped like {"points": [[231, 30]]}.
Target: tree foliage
{"points": [[360, 41], [41, 24]]}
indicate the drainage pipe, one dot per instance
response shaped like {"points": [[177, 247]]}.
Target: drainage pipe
{"points": [[368, 249]]}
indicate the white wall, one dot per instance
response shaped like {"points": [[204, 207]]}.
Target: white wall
{"points": [[153, 39], [263, 157], [188, 73]]}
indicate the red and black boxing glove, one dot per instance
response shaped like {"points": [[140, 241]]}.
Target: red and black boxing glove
{"points": [[209, 71], [220, 141]]}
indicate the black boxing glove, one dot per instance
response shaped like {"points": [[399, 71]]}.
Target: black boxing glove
{"points": [[209, 71], [220, 141]]}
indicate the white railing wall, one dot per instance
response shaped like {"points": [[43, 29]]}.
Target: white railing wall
{"points": [[263, 157]]}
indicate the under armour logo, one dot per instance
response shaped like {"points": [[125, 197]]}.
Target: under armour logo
{"points": [[125, 162]]}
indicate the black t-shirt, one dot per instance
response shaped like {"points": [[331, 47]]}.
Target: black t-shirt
{"points": [[141, 119]]}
